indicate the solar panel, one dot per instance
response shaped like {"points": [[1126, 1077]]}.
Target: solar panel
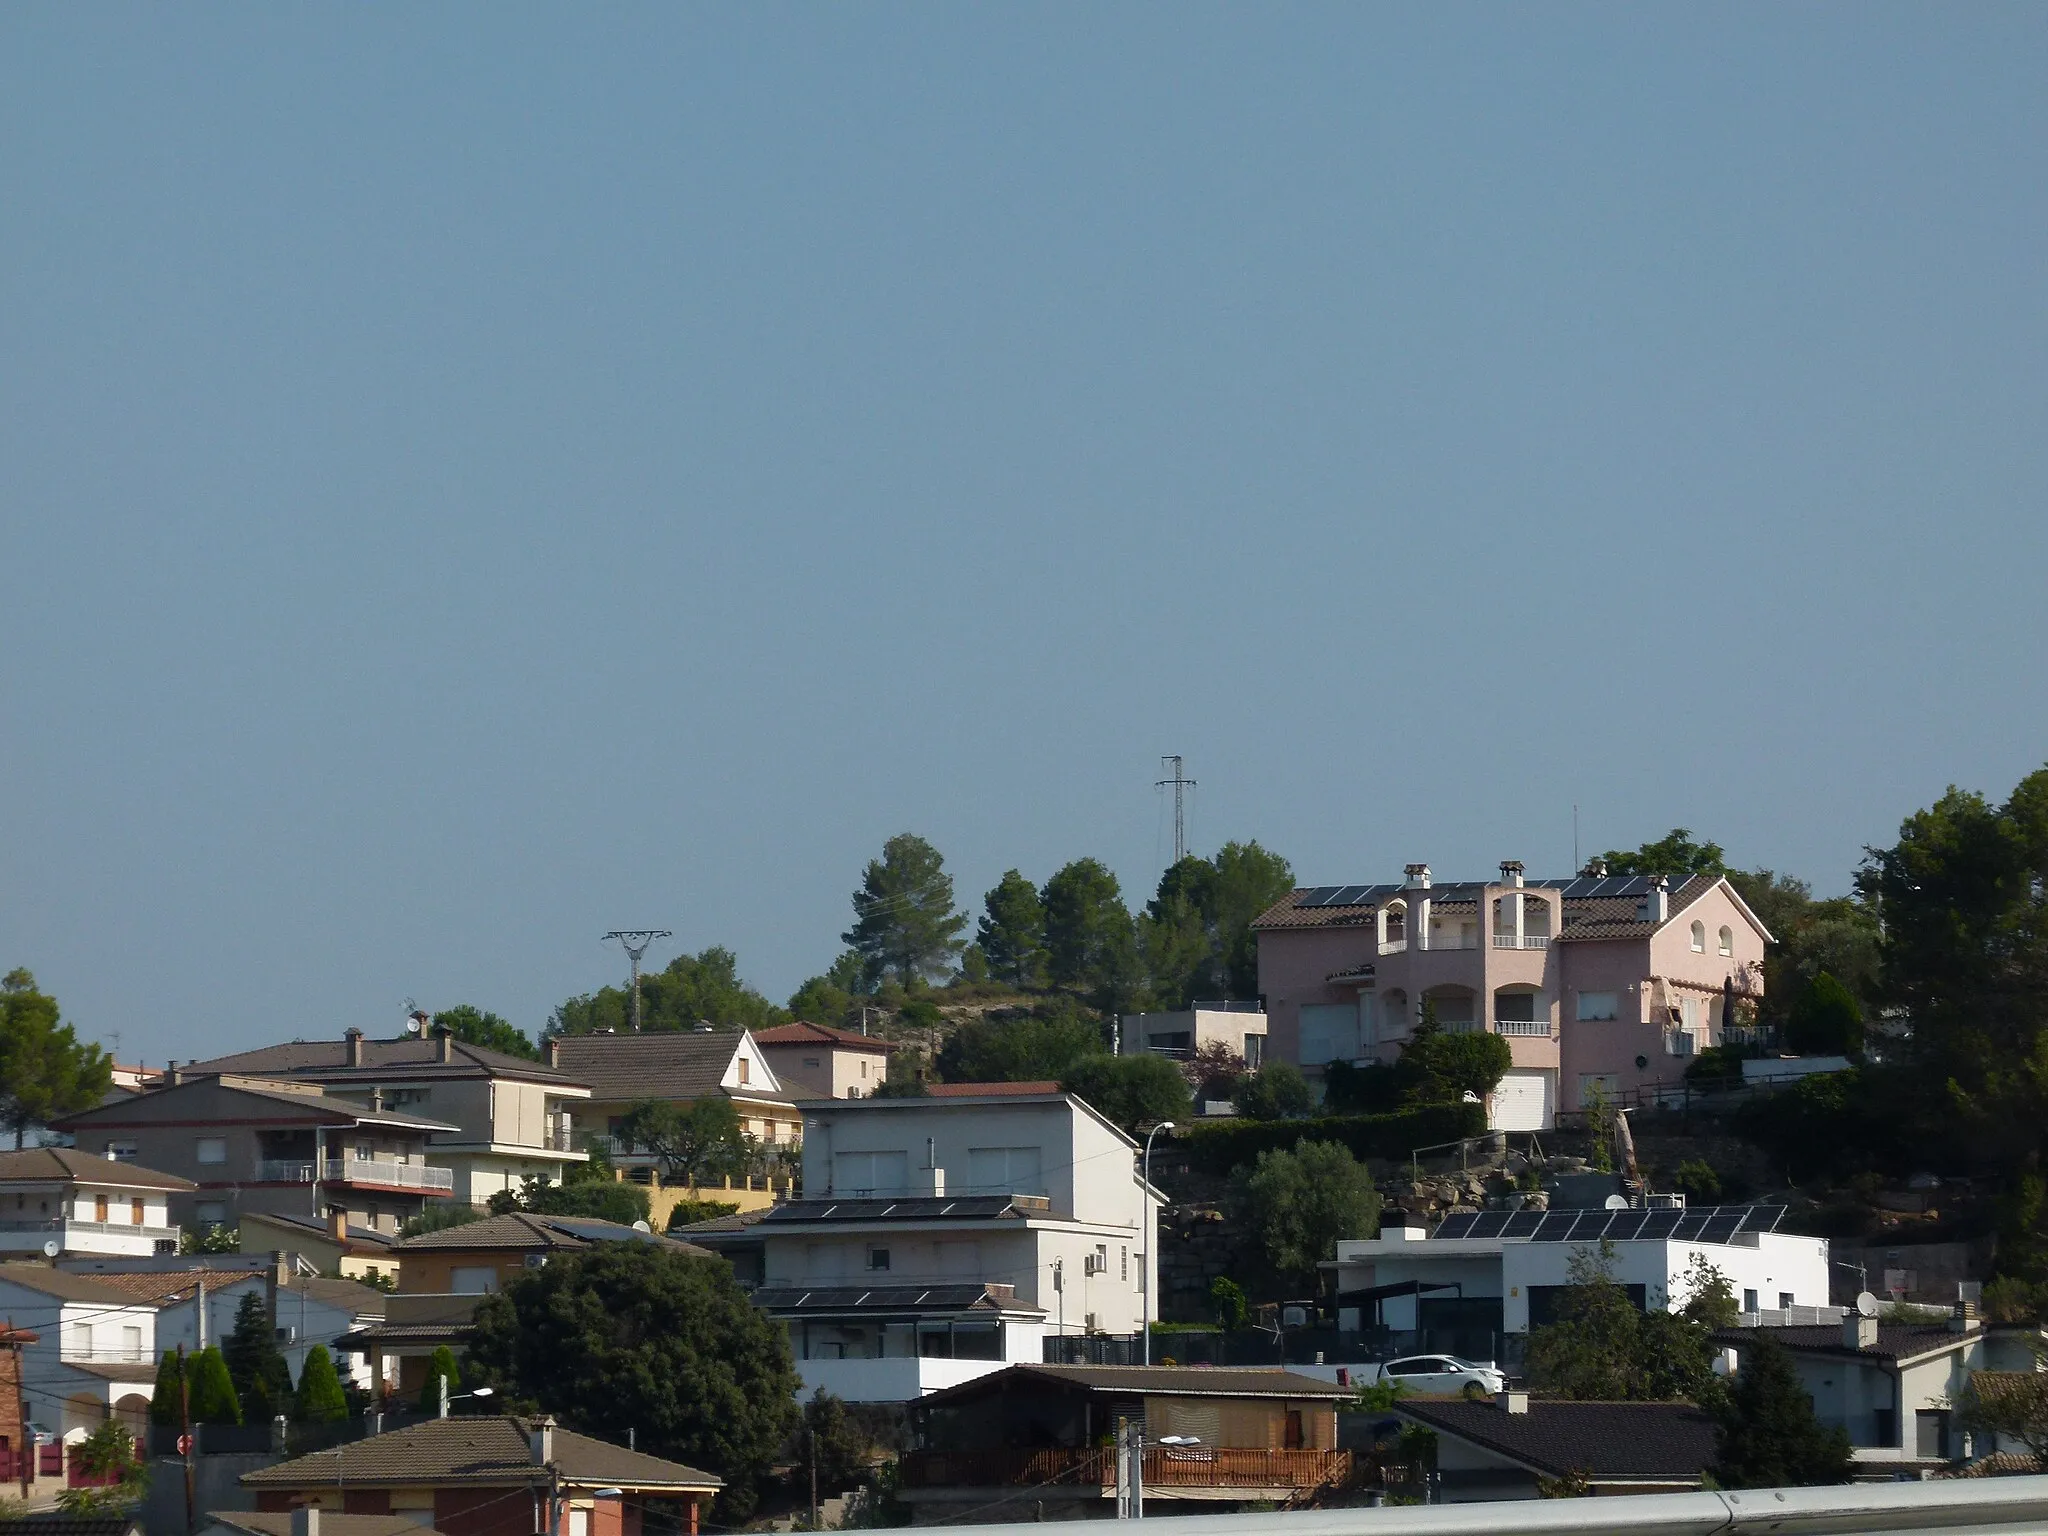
{"points": [[1591, 1226], [1556, 1226], [1763, 1218], [1489, 1224], [1625, 1225], [1457, 1226], [1522, 1224], [1690, 1225], [1721, 1226], [1659, 1224]]}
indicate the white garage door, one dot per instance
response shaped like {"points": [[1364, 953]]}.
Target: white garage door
{"points": [[1526, 1100]]}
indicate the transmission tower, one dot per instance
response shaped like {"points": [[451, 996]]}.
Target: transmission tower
{"points": [[1181, 785], [634, 942]]}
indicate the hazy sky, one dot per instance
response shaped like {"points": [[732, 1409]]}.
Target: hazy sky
{"points": [[472, 477]]}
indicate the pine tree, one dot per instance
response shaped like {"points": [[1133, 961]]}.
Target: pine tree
{"points": [[1012, 931], [213, 1390], [904, 923], [1766, 1433], [166, 1405], [263, 1381], [45, 1070], [321, 1400], [440, 1364]]}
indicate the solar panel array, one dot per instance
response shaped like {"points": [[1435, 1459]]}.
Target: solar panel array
{"points": [[1579, 888], [1706, 1224]]}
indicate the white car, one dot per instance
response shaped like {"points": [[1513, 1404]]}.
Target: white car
{"points": [[1443, 1375]]}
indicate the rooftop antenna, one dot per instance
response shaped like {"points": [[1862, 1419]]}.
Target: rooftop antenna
{"points": [[1181, 785], [415, 1017], [634, 942]]}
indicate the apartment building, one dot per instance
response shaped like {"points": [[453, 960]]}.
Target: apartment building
{"points": [[270, 1144], [816, 1061], [941, 1238], [57, 1202], [512, 1119], [1599, 983]]}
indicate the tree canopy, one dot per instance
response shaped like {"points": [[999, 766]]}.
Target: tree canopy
{"points": [[631, 1337], [603, 1199], [213, 1390], [1046, 1043], [1674, 855], [705, 987], [321, 1398], [45, 1069], [1825, 1020], [904, 923], [1012, 931], [1090, 945], [1298, 1205], [1601, 1348], [1277, 1091], [257, 1368], [1766, 1433], [475, 1026], [698, 1142], [1133, 1091]]}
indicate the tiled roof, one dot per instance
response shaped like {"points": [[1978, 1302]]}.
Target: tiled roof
{"points": [[492, 1452], [521, 1230], [51, 1523], [1999, 1464], [124, 1370], [278, 1522], [674, 1065], [991, 1090], [314, 1227], [803, 1032], [1895, 1341], [1170, 1380], [738, 1221], [157, 1287], [326, 1108], [409, 1056], [73, 1166], [66, 1286], [1665, 1442]]}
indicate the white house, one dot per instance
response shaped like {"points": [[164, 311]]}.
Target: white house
{"points": [[84, 1205], [942, 1238], [95, 1354], [1239, 1027], [1504, 1270]]}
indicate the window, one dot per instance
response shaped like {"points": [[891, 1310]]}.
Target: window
{"points": [[210, 1149], [1727, 941], [1699, 938], [81, 1341], [863, 1068], [744, 1069], [1785, 1300], [1749, 1303], [877, 1173], [138, 1213], [878, 1258], [1004, 1171], [121, 1151], [473, 1279], [210, 1214], [1254, 1052], [1598, 1007], [1124, 1257], [131, 1343], [1514, 1007], [810, 1061], [1329, 1032]]}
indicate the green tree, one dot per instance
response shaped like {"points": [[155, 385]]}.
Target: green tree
{"points": [[1046, 1043], [1592, 1351], [617, 1200], [1089, 941], [1277, 1091], [686, 1213], [1674, 855], [1227, 1302], [1012, 931], [1248, 879], [440, 1365], [261, 1378], [1298, 1205], [1766, 1433], [830, 1450], [1130, 1090], [1825, 1020], [1839, 935], [2011, 1405], [474, 1026], [45, 1069], [166, 1402], [700, 1142], [904, 923], [321, 1399], [1453, 1065], [109, 1451], [631, 1337], [213, 1390], [820, 1002], [196, 1239], [689, 990]]}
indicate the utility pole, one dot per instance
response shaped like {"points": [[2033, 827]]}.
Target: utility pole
{"points": [[634, 942], [1181, 785], [185, 1434], [27, 1458]]}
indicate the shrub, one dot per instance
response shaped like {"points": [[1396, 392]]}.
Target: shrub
{"points": [[1222, 1147], [1698, 1182], [1298, 1205], [1825, 1020], [212, 1389], [1129, 1090], [1277, 1091], [321, 1400], [687, 1212]]}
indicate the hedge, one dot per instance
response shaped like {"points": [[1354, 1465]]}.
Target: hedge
{"points": [[1220, 1148]]}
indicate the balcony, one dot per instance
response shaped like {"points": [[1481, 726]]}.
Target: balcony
{"points": [[114, 1239], [1539, 1028], [360, 1170], [1446, 941], [1393, 946], [1526, 941], [894, 1379], [1193, 1467]]}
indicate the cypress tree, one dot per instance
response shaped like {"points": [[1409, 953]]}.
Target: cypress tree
{"points": [[166, 1406], [213, 1390], [321, 1400], [440, 1363]]}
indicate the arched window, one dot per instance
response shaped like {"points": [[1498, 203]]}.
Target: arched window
{"points": [[1727, 940], [1699, 938]]}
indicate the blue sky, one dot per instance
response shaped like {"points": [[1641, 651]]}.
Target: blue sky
{"points": [[475, 477]]}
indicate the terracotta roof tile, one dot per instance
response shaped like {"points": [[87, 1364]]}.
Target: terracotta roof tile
{"points": [[673, 1065], [803, 1032], [410, 1055], [991, 1090], [77, 1167], [522, 1230]]}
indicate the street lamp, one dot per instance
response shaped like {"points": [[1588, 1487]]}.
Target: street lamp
{"points": [[1151, 1238], [458, 1397]]}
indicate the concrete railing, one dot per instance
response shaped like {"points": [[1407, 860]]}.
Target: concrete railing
{"points": [[1526, 941], [1538, 1027]]}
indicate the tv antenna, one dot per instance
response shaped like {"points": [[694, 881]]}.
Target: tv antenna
{"points": [[1181, 785], [634, 942]]}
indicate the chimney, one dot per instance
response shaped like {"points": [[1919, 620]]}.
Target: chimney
{"points": [[280, 1269], [554, 1048], [337, 1224], [1859, 1332], [306, 1520], [1511, 873], [1596, 869], [377, 1100], [1418, 875], [540, 1440], [1511, 1402], [1658, 903], [1964, 1318], [352, 1048], [171, 1077], [444, 1039]]}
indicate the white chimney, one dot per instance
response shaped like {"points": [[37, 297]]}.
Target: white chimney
{"points": [[1511, 873], [540, 1440], [1418, 875], [1512, 1402], [1859, 1332], [1658, 904]]}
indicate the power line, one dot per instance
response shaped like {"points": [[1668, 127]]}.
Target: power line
{"points": [[1181, 785], [634, 942]]}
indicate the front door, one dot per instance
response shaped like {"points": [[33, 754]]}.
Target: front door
{"points": [[1292, 1438]]}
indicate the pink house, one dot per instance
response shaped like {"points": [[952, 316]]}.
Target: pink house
{"points": [[1607, 980]]}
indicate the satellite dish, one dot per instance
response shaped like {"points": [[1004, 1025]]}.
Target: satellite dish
{"points": [[412, 1024], [1866, 1304], [1617, 1202], [51, 1248], [641, 1226]]}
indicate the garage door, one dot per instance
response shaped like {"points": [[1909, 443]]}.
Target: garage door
{"points": [[1526, 1100]]}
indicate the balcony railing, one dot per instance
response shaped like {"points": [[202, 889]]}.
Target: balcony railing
{"points": [[1526, 941], [58, 1225], [358, 1170], [1393, 946], [1192, 1467], [1538, 1027], [1453, 941]]}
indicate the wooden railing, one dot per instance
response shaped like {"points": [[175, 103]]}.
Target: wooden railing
{"points": [[1191, 1467]]}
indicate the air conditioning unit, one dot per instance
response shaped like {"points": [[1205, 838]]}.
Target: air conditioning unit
{"points": [[1090, 1325], [536, 1260], [1092, 1265]]}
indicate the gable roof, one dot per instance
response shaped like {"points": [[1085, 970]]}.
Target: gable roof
{"points": [[358, 1236], [409, 1055], [72, 1166], [1032, 1090], [1895, 1341], [803, 1032], [492, 1452], [306, 1101], [674, 1065], [520, 1231], [66, 1286], [1647, 1442], [278, 1522], [1162, 1380]]}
